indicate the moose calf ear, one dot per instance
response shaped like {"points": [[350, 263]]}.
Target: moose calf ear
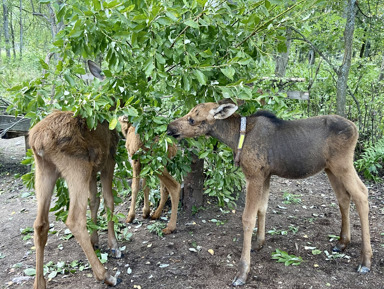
{"points": [[95, 70], [223, 111], [123, 118]]}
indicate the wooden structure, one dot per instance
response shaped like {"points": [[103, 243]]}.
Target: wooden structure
{"points": [[11, 127]]}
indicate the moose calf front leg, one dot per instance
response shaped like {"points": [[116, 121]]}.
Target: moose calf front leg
{"points": [[261, 215], [135, 189], [254, 192]]}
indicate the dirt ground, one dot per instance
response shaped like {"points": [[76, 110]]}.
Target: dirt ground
{"points": [[301, 227]]}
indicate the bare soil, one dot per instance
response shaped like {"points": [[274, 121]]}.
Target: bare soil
{"points": [[182, 259]]}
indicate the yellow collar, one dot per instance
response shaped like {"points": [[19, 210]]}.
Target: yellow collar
{"points": [[243, 127]]}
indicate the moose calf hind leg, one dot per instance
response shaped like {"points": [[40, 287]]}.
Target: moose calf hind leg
{"points": [[94, 203], [344, 201], [353, 188], [163, 199], [46, 177], [173, 187], [146, 208], [106, 180]]}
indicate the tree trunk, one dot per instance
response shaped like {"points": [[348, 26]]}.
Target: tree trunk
{"points": [[12, 34], [343, 71], [193, 186], [1, 50], [6, 32], [282, 58], [21, 30], [381, 75]]}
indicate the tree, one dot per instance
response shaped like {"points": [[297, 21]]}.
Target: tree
{"points": [[21, 29], [6, 31], [161, 58], [282, 57], [343, 70]]}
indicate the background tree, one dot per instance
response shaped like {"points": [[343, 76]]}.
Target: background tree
{"points": [[343, 71], [6, 29]]}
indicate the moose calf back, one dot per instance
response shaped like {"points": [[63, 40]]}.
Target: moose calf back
{"points": [[60, 133], [299, 148]]}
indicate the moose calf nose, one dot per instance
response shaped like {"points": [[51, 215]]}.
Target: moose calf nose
{"points": [[172, 132], [169, 131]]}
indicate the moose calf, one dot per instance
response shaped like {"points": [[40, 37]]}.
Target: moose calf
{"points": [[168, 185], [289, 149], [64, 146]]}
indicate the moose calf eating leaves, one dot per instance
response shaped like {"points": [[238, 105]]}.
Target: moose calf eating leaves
{"points": [[290, 149], [64, 146]]}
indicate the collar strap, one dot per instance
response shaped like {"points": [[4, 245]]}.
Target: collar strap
{"points": [[243, 126]]}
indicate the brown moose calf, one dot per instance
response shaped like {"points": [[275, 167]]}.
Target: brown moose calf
{"points": [[63, 146], [289, 149], [168, 185]]}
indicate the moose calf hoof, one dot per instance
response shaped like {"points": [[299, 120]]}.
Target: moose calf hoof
{"points": [[238, 282], [339, 248], [116, 253], [363, 269], [155, 216], [167, 231], [112, 280], [130, 218], [146, 215], [259, 245]]}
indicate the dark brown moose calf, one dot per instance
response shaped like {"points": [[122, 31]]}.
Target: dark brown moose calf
{"points": [[63, 146], [289, 149]]}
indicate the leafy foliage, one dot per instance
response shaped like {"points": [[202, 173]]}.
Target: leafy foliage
{"points": [[159, 61], [372, 161], [157, 228], [284, 257]]}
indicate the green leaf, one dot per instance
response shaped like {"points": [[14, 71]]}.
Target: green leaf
{"points": [[191, 23], [200, 77], [228, 72], [97, 4], [112, 4], [282, 47], [149, 66], [113, 123], [43, 64], [52, 275], [203, 155], [131, 111], [30, 272], [69, 79], [166, 21]]}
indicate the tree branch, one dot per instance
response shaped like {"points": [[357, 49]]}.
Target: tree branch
{"points": [[316, 49]]}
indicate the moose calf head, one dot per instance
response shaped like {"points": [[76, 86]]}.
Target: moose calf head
{"points": [[200, 120]]}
